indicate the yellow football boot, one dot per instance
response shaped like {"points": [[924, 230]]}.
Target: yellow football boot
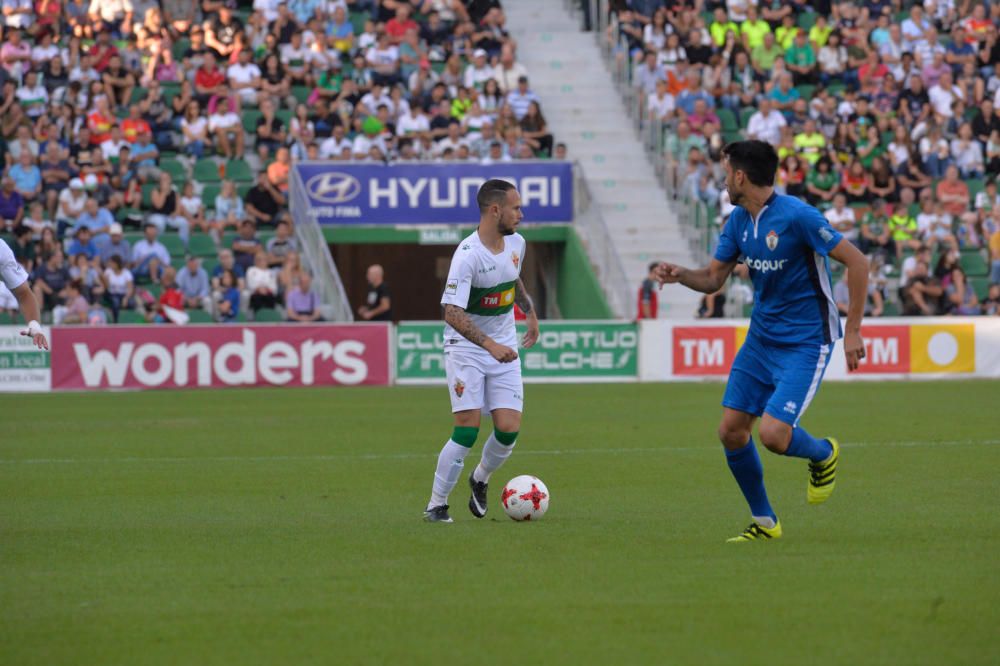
{"points": [[823, 476]]}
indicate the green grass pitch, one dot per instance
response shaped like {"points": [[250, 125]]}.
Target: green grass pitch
{"points": [[283, 527]]}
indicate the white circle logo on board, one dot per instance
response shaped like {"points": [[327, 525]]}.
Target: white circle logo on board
{"points": [[942, 348]]}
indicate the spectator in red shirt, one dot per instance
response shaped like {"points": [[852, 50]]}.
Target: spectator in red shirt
{"points": [[102, 51], [397, 27], [171, 297], [100, 121], [134, 125], [209, 81]]}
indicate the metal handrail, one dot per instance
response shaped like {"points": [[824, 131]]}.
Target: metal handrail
{"points": [[315, 254]]}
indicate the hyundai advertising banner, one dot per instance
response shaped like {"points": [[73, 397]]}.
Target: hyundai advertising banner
{"points": [[363, 194]]}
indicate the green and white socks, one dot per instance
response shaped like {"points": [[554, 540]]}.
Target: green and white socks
{"points": [[451, 460]]}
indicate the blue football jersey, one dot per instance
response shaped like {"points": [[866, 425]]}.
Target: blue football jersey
{"points": [[786, 251]]}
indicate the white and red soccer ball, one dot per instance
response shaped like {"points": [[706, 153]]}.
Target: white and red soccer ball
{"points": [[525, 497]]}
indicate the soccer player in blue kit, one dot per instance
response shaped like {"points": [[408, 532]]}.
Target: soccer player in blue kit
{"points": [[784, 243]]}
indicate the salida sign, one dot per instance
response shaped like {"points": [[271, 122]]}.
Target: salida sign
{"points": [[565, 350], [218, 356]]}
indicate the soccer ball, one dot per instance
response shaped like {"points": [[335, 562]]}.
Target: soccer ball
{"points": [[525, 497]]}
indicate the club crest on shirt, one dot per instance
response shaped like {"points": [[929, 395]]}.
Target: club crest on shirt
{"points": [[772, 240], [744, 235], [515, 259], [459, 387]]}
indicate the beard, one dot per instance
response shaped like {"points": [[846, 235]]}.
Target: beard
{"points": [[505, 228]]}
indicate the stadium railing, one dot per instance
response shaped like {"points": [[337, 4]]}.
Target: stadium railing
{"points": [[315, 255], [698, 218], [600, 246]]}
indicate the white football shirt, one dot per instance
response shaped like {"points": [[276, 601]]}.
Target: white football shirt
{"points": [[12, 274]]}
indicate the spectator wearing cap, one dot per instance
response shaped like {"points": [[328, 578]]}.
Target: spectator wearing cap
{"points": [[27, 177], [116, 245], [479, 71], [149, 255], [192, 280], [521, 98], [71, 204]]}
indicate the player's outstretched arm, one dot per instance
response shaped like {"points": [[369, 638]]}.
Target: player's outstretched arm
{"points": [[857, 288], [459, 320], [523, 301], [707, 280], [29, 308]]}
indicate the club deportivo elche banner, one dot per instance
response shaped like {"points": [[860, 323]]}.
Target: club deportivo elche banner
{"points": [[895, 348], [380, 194], [566, 351]]}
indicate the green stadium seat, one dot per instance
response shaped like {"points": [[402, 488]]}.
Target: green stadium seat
{"points": [[209, 264], [131, 317], [975, 185], [147, 195], [173, 244], [138, 93], [981, 284], [124, 212], [239, 170], [730, 137], [175, 169], [206, 171], [745, 113], [301, 93], [267, 315], [243, 188], [6, 319], [728, 120], [250, 117], [202, 245], [891, 309], [208, 195], [974, 263], [806, 90], [358, 21], [179, 47], [747, 310], [200, 316], [807, 19], [284, 115]]}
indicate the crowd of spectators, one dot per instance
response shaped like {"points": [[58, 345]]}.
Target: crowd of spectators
{"points": [[885, 115], [141, 139]]}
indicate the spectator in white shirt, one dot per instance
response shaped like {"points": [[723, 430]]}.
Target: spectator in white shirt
{"points": [[944, 94], [766, 124], [662, 105], [414, 122], [113, 146], [333, 147], [842, 218], [244, 78], [228, 130], [478, 72], [967, 153], [647, 73], [508, 71]]}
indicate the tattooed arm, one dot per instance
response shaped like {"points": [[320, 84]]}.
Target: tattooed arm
{"points": [[523, 301], [459, 320]]}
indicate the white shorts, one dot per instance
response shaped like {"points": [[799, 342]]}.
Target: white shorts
{"points": [[478, 381]]}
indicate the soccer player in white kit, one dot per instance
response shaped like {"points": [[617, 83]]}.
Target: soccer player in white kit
{"points": [[480, 346], [15, 278]]}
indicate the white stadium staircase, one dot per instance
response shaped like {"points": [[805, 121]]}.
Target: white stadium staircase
{"points": [[585, 111]]}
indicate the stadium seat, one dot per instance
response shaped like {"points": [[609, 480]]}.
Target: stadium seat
{"points": [[206, 171], [974, 264], [209, 264], [131, 317], [250, 117], [891, 309], [981, 284], [358, 21], [200, 316], [208, 195], [975, 185], [267, 315], [173, 244], [243, 188], [175, 169], [147, 195], [745, 114], [284, 115], [239, 170], [201, 245], [807, 19], [806, 90], [138, 94], [728, 120], [301, 93], [179, 47]]}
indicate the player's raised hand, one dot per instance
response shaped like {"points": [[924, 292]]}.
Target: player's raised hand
{"points": [[667, 273], [34, 331], [502, 353], [854, 349]]}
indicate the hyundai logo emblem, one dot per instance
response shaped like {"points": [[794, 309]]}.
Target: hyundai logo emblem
{"points": [[333, 187]]}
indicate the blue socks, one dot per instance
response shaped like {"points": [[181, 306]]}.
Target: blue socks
{"points": [[749, 474], [804, 445]]}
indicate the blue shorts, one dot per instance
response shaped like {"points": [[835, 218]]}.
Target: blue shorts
{"points": [[780, 381]]}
